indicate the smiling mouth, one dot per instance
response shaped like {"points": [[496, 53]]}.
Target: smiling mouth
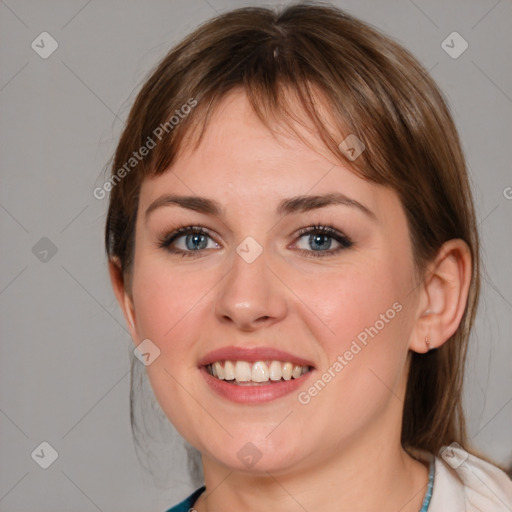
{"points": [[257, 373]]}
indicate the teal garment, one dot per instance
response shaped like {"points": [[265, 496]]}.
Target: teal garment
{"points": [[188, 503], [430, 488]]}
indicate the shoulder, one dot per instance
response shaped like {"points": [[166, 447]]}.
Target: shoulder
{"points": [[187, 503], [467, 483]]}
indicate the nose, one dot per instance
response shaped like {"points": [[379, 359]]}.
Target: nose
{"points": [[251, 295]]}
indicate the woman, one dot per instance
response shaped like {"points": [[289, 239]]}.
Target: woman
{"points": [[292, 240]]}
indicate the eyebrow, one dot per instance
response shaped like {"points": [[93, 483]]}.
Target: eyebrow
{"points": [[298, 204]]}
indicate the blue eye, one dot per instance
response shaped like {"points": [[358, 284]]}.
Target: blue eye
{"points": [[320, 240], [195, 240]]}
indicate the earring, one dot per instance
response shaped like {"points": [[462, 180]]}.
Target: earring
{"points": [[427, 342]]}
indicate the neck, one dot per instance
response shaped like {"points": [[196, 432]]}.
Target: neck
{"points": [[382, 478]]}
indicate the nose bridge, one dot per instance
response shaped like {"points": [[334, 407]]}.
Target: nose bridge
{"points": [[250, 294]]}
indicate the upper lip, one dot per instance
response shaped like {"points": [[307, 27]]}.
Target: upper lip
{"points": [[252, 354]]}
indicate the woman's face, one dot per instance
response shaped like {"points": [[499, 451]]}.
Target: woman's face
{"points": [[260, 280]]}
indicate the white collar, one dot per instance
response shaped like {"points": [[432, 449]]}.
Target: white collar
{"points": [[466, 483]]}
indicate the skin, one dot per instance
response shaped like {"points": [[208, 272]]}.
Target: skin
{"points": [[325, 455]]}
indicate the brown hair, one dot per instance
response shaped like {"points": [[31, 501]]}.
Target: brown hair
{"points": [[375, 90]]}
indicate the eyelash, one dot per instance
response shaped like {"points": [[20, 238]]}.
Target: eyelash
{"points": [[345, 242]]}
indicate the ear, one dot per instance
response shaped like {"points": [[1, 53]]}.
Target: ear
{"points": [[123, 295], [443, 296]]}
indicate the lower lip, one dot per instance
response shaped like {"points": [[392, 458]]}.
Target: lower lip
{"points": [[256, 394]]}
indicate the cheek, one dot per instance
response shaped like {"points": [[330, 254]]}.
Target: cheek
{"points": [[364, 333], [170, 311], [168, 302], [357, 304]]}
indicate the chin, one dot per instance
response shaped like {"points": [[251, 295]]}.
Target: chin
{"points": [[256, 457]]}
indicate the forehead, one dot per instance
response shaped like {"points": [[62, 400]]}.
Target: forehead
{"points": [[243, 164], [236, 132]]}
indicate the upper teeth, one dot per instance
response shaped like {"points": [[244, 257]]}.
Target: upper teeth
{"points": [[259, 371]]}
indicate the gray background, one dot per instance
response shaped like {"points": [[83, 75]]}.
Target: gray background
{"points": [[64, 350]]}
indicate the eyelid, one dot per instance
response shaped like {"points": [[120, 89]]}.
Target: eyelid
{"points": [[322, 228]]}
